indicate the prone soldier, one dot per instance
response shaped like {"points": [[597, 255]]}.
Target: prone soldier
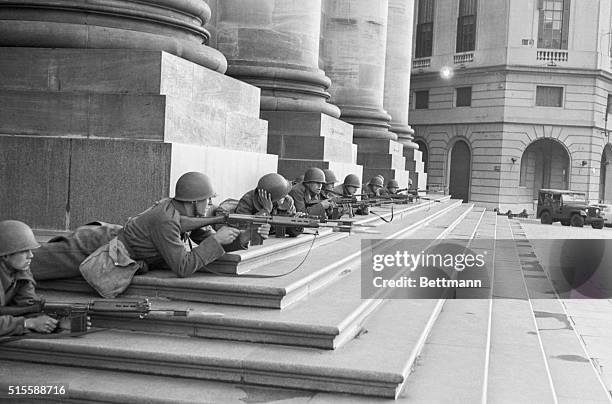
{"points": [[374, 186], [330, 182], [349, 188], [270, 197], [307, 195], [16, 282]]}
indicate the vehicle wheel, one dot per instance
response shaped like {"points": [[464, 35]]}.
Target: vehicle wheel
{"points": [[577, 220], [546, 218], [597, 225], [565, 222]]}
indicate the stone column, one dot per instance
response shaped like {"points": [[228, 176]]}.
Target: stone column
{"points": [[397, 82], [353, 45], [353, 52], [274, 45], [397, 68]]}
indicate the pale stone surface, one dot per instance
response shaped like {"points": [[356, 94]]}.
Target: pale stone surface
{"points": [[353, 45], [124, 72], [307, 124], [294, 147], [38, 195], [174, 26], [398, 63], [274, 44]]}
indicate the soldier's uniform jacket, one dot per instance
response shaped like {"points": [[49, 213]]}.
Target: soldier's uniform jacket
{"points": [[155, 237], [61, 256], [341, 189], [249, 204], [16, 289], [307, 202]]}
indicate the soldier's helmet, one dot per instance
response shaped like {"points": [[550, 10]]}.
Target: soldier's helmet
{"points": [[376, 181], [352, 180], [16, 236], [314, 174], [392, 184], [330, 177], [193, 186], [275, 184]]}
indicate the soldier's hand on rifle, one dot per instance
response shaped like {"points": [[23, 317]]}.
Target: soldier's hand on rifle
{"points": [[326, 204], [225, 235], [43, 324], [264, 231], [266, 200]]}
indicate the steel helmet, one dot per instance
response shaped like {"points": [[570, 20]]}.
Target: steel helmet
{"points": [[16, 236], [275, 184], [376, 181], [314, 174], [392, 184], [352, 180], [193, 186], [330, 177]]}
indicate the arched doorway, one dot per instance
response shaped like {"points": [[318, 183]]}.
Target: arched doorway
{"points": [[424, 152], [544, 164], [605, 175], [460, 167]]}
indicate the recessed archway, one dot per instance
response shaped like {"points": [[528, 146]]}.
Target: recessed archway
{"points": [[545, 164], [605, 175], [460, 171]]}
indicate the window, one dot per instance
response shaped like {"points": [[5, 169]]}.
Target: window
{"points": [[463, 97], [424, 31], [421, 99], [554, 24], [466, 26], [549, 96]]}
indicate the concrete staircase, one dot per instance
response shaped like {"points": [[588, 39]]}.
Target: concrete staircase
{"points": [[310, 337]]}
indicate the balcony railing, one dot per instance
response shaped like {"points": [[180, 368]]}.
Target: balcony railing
{"points": [[421, 63], [552, 55], [463, 58]]}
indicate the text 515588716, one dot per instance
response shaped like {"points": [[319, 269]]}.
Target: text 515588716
{"points": [[36, 390]]}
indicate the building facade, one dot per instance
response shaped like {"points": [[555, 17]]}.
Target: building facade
{"points": [[510, 96]]}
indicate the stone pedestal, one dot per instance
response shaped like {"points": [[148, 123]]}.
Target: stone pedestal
{"points": [[108, 132], [384, 157], [353, 52], [303, 140], [416, 167]]}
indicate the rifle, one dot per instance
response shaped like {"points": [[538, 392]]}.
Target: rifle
{"points": [[252, 222], [76, 314]]}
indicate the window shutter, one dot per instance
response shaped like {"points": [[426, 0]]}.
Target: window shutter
{"points": [[565, 28], [541, 29]]}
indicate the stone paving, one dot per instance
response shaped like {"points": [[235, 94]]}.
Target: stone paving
{"points": [[591, 318]]}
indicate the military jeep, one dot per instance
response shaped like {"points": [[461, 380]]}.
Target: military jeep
{"points": [[567, 207]]}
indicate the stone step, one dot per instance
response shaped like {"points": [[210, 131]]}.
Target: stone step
{"points": [[385, 146], [321, 320], [572, 373], [307, 124], [85, 385], [376, 362], [390, 161], [322, 265], [158, 118], [316, 148], [122, 71], [274, 249]]}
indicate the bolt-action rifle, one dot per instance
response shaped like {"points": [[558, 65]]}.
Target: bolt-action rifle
{"points": [[73, 316], [252, 222]]}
